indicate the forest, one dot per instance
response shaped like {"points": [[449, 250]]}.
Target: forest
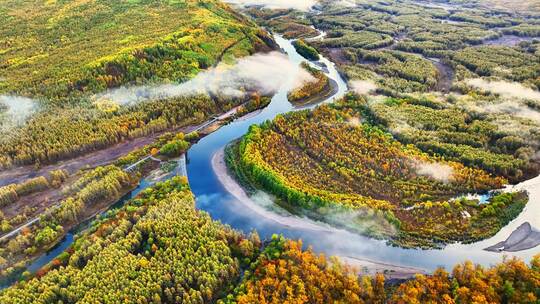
{"points": [[90, 192], [454, 132], [454, 112], [18, 201], [76, 198], [285, 273], [337, 158], [311, 91], [305, 50], [401, 45], [91, 47], [159, 249]]}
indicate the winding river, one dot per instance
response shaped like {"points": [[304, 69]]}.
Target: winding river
{"points": [[241, 214], [246, 215]]}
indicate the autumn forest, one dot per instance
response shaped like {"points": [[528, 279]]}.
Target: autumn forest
{"points": [[246, 151]]}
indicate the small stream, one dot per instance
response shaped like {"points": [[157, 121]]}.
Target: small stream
{"points": [[153, 177]]}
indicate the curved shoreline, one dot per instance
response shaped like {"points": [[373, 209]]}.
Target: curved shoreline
{"points": [[329, 90], [232, 187], [362, 266], [219, 201]]}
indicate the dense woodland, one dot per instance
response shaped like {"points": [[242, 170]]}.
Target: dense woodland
{"points": [[159, 249], [333, 159], [305, 50], [400, 163], [90, 46], [406, 46], [441, 128], [92, 191], [284, 273], [87, 192], [156, 249], [123, 44]]}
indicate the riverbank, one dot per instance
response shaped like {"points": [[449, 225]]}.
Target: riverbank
{"points": [[229, 183], [150, 174], [363, 267], [390, 271], [49, 198], [17, 260], [330, 89], [103, 156]]}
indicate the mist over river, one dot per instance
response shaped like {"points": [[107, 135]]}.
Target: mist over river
{"points": [[224, 206], [247, 214]]}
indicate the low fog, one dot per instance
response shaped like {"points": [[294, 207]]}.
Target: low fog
{"points": [[15, 110], [399, 126], [509, 107], [363, 87], [266, 73], [361, 221], [504, 88], [514, 108], [345, 3], [436, 171], [302, 5]]}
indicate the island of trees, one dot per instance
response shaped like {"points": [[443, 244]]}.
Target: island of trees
{"points": [[337, 159]]}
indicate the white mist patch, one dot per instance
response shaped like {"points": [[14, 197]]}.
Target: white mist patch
{"points": [[354, 121], [15, 110], [363, 87], [504, 88], [362, 220], [514, 108], [345, 3], [265, 73], [399, 126], [509, 107], [436, 171], [302, 5]]}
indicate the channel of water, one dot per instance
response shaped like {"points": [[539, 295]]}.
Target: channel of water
{"points": [[212, 197]]}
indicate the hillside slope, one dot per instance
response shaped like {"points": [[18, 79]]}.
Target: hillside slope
{"points": [[58, 49], [64, 54]]}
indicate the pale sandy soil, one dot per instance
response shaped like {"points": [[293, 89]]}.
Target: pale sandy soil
{"points": [[230, 184], [367, 267], [362, 266]]}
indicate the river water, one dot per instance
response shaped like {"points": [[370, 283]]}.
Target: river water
{"points": [[213, 198]]}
